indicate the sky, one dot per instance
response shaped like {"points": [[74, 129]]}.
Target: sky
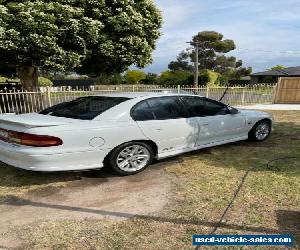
{"points": [[255, 26]]}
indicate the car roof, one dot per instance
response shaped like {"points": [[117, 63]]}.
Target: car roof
{"points": [[133, 95]]}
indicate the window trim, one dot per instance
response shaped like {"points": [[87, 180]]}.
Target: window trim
{"points": [[180, 103]]}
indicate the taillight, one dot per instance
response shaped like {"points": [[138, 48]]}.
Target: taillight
{"points": [[30, 139]]}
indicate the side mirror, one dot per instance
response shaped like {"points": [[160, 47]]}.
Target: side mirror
{"points": [[233, 111]]}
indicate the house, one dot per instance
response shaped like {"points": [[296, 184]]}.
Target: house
{"points": [[271, 76]]}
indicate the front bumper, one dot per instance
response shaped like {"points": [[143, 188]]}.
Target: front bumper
{"points": [[15, 156]]}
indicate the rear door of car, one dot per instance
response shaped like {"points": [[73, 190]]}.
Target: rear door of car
{"points": [[216, 123], [164, 120]]}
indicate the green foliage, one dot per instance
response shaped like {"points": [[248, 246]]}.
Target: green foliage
{"points": [[181, 64], [222, 80], [240, 72], [212, 48], [203, 79], [44, 82], [176, 78], [209, 78], [92, 36], [134, 76], [114, 79], [4, 79], [151, 78], [277, 67]]}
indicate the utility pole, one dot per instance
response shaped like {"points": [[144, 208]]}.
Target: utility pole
{"points": [[196, 63]]}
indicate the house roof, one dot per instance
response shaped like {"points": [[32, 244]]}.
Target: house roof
{"points": [[291, 71]]}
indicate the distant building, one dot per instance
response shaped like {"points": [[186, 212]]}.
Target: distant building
{"points": [[271, 76]]}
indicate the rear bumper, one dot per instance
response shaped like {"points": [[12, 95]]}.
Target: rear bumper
{"points": [[13, 155]]}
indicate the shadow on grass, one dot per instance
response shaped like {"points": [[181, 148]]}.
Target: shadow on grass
{"points": [[16, 201], [289, 222], [14, 177]]}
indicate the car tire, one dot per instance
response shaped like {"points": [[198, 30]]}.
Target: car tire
{"points": [[261, 131], [130, 158]]}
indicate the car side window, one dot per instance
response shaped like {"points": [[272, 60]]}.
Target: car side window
{"points": [[142, 112], [201, 107], [165, 108]]}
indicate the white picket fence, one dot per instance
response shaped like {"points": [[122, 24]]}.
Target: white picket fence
{"points": [[20, 101]]}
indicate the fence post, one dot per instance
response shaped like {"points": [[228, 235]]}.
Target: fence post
{"points": [[49, 96], [243, 96], [133, 88], [275, 90], [207, 91], [178, 89]]}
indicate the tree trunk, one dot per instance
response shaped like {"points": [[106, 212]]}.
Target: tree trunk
{"points": [[28, 77], [29, 80]]}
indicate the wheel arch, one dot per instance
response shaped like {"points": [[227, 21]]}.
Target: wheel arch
{"points": [[263, 119], [260, 120], [151, 143]]}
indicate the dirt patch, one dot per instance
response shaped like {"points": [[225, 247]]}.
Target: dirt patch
{"points": [[93, 195]]}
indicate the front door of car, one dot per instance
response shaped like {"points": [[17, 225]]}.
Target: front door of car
{"points": [[164, 121], [216, 122]]}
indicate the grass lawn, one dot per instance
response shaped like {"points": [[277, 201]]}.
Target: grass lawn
{"points": [[268, 202]]}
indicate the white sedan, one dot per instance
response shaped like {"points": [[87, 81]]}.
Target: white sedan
{"points": [[124, 131]]}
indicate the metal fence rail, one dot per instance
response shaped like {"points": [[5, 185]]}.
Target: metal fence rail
{"points": [[13, 101]]}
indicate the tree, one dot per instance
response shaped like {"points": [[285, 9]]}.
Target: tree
{"points": [[134, 76], [212, 48], [208, 77], [277, 67], [92, 36], [182, 63], [151, 78]]}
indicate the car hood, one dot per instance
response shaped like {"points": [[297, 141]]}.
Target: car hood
{"points": [[253, 112]]}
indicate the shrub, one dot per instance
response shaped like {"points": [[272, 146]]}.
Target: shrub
{"points": [[114, 79], [44, 82], [3, 79], [176, 78], [134, 76], [222, 80], [151, 78], [208, 77]]}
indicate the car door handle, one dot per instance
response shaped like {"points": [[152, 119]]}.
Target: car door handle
{"points": [[204, 124], [158, 129]]}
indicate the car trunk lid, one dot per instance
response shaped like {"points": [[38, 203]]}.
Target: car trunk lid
{"points": [[31, 120]]}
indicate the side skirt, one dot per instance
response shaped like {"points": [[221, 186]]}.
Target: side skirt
{"points": [[185, 150]]}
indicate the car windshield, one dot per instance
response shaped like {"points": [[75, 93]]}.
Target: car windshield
{"points": [[84, 108]]}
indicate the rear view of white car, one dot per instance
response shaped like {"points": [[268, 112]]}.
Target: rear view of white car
{"points": [[124, 131]]}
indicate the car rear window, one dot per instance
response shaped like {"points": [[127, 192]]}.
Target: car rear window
{"points": [[84, 108]]}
